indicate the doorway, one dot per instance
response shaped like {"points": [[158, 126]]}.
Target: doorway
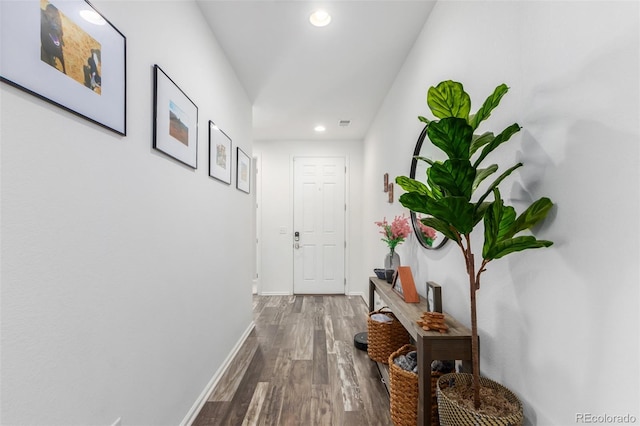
{"points": [[319, 210]]}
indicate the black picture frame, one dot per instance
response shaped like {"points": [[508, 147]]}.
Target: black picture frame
{"points": [[434, 297], [175, 120], [243, 171], [219, 154], [69, 55]]}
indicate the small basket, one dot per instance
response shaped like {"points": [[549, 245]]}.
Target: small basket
{"points": [[384, 338], [403, 391]]}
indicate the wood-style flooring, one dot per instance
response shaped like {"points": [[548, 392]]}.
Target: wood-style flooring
{"points": [[299, 366]]}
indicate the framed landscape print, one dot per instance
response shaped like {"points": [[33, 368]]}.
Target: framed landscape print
{"points": [[175, 121], [68, 54], [219, 154], [243, 171]]}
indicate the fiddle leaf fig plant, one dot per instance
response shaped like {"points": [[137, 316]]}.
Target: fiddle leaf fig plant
{"points": [[450, 196]]}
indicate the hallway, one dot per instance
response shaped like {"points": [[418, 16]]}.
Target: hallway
{"points": [[299, 367]]}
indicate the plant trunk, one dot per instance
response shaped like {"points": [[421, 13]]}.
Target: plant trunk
{"points": [[475, 353]]}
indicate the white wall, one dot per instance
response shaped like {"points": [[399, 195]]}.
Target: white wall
{"points": [[276, 210], [124, 279], [559, 326]]}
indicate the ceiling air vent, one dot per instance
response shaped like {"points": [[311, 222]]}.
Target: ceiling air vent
{"points": [[344, 123]]}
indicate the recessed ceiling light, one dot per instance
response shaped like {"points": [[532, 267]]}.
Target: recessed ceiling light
{"points": [[320, 128], [320, 18], [92, 16]]}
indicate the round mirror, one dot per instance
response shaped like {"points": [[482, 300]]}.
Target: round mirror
{"points": [[428, 238]]}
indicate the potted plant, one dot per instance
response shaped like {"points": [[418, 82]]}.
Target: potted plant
{"points": [[449, 195]]}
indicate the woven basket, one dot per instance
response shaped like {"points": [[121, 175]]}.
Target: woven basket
{"points": [[384, 338], [452, 414], [403, 391]]}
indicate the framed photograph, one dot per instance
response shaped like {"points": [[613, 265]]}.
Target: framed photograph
{"points": [[68, 54], [219, 154], [175, 120], [405, 286], [243, 171], [434, 297]]}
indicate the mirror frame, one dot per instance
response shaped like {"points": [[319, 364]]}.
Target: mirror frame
{"points": [[414, 217]]}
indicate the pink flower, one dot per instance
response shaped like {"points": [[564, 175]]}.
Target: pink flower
{"points": [[428, 232], [395, 233]]}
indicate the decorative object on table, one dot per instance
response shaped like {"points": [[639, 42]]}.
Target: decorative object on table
{"points": [[403, 389], [452, 413], [384, 337], [434, 297], [448, 194], [219, 154], [433, 321], [56, 52], [390, 275], [385, 180], [405, 286], [394, 233], [390, 192], [175, 120], [243, 171], [380, 273], [417, 171]]}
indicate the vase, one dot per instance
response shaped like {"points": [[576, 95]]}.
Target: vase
{"points": [[392, 260]]}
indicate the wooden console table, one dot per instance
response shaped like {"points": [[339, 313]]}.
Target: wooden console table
{"points": [[431, 345]]}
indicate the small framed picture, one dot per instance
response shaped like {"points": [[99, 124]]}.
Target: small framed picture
{"points": [[243, 171], [175, 120], [434, 297], [219, 154]]}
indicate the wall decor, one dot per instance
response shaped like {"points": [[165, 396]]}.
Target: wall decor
{"points": [[243, 171], [68, 54], [431, 239], [219, 154], [434, 297], [175, 120], [385, 180], [405, 286], [390, 193]]}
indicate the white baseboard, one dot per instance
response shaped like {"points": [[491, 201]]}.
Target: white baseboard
{"points": [[275, 293], [202, 399]]}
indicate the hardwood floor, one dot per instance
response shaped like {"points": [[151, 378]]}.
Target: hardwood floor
{"points": [[299, 367]]}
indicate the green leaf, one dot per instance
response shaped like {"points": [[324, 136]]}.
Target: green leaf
{"points": [[482, 174], [456, 211], [513, 245], [436, 191], [424, 119], [478, 141], [412, 185], [415, 202], [452, 135], [489, 104], [497, 141], [454, 176], [448, 99], [531, 216], [425, 159], [496, 182], [440, 226]]}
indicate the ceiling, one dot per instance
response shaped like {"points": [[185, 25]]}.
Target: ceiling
{"points": [[298, 76]]}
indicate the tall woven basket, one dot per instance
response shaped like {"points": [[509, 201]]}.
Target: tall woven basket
{"points": [[384, 338], [403, 391], [452, 414]]}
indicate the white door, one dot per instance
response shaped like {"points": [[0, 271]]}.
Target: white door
{"points": [[318, 225]]}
